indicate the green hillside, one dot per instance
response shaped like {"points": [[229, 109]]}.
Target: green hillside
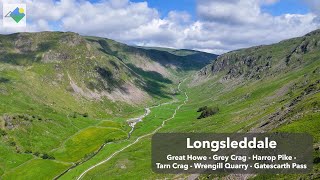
{"points": [[63, 96], [261, 89]]}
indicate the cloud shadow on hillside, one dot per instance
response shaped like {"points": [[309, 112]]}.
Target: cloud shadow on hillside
{"points": [[189, 62], [107, 81], [153, 82], [18, 59]]}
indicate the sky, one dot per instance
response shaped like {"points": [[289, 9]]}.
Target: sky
{"points": [[215, 26]]}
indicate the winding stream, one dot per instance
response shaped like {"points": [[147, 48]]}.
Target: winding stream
{"points": [[143, 136]]}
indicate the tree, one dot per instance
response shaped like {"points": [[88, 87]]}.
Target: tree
{"points": [[206, 112], [85, 115], [28, 151], [47, 156], [202, 109]]}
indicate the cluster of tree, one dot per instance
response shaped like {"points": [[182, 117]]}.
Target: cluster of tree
{"points": [[202, 108], [207, 111], [28, 117], [43, 156], [74, 115], [109, 140], [47, 156]]}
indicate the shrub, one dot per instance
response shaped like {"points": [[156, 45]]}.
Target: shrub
{"points": [[47, 156], [2, 132], [206, 112], [202, 109], [28, 152], [12, 143], [85, 115], [36, 153], [109, 140], [316, 160]]}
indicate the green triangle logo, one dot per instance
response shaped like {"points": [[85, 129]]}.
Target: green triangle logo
{"points": [[17, 18]]}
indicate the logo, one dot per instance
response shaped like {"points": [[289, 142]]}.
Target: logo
{"points": [[14, 15], [17, 14]]}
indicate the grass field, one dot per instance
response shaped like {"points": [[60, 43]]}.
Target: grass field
{"points": [[37, 169], [87, 141], [149, 124]]}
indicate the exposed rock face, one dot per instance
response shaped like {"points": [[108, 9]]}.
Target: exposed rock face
{"points": [[8, 121], [129, 93], [23, 43], [52, 56], [261, 61], [72, 39], [239, 65], [69, 43]]}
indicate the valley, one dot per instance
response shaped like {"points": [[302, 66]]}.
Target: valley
{"points": [[93, 104], [139, 138], [246, 105]]}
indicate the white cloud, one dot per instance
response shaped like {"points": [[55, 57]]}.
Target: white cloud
{"points": [[110, 18], [223, 22], [220, 25], [229, 11]]}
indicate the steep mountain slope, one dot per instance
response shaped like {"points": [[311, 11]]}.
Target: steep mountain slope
{"points": [[294, 63], [266, 88], [58, 89]]}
